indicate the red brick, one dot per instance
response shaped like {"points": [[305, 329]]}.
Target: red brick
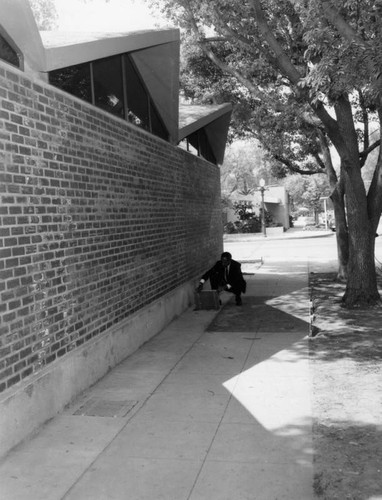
{"points": [[93, 219]]}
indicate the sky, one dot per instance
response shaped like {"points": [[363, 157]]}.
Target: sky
{"points": [[99, 15]]}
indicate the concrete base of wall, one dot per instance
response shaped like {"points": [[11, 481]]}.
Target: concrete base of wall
{"points": [[25, 407]]}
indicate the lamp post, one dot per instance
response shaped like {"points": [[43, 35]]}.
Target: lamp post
{"points": [[325, 198], [262, 189]]}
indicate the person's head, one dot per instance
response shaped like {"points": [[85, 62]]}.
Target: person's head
{"points": [[226, 258]]}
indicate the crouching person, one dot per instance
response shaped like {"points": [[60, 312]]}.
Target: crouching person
{"points": [[226, 275]]}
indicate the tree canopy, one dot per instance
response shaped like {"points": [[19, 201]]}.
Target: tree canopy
{"points": [[303, 75], [45, 14], [306, 192], [244, 165]]}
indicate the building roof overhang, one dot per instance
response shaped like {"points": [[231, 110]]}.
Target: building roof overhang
{"points": [[18, 21], [155, 53], [214, 119], [70, 48]]}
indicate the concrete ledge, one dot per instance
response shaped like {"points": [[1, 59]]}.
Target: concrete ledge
{"points": [[26, 406], [274, 231]]}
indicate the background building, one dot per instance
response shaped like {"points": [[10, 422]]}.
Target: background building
{"points": [[276, 201]]}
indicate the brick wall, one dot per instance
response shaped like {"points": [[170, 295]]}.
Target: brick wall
{"points": [[98, 219]]}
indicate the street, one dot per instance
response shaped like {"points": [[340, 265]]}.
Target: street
{"points": [[316, 248]]}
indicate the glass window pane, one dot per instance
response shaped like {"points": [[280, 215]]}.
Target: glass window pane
{"points": [[137, 98], [7, 53], [157, 126], [200, 142], [204, 146], [108, 86], [75, 80]]}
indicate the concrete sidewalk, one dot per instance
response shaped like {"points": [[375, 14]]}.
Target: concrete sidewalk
{"points": [[215, 407]]}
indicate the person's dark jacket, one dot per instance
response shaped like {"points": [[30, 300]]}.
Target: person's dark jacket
{"points": [[216, 275]]}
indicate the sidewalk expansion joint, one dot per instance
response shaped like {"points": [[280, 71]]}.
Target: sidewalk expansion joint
{"points": [[99, 407]]}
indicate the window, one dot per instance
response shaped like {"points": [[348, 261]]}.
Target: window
{"points": [[75, 80], [108, 85], [141, 108], [137, 99], [8, 53], [199, 141], [157, 126], [187, 146], [113, 84]]}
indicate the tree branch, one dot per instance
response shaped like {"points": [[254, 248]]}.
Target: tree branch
{"points": [[366, 152], [319, 161], [203, 43], [327, 159], [212, 39], [349, 34], [283, 62], [343, 28], [293, 167], [244, 41], [365, 121], [286, 67]]}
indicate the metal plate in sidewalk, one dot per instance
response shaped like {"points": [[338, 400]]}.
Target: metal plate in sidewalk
{"points": [[98, 407], [207, 299]]}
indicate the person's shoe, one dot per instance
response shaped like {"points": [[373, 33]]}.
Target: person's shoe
{"points": [[238, 301]]}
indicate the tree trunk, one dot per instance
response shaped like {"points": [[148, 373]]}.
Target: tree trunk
{"points": [[337, 198], [374, 196], [342, 235], [361, 288]]}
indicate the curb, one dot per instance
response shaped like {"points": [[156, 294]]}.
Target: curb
{"points": [[255, 237]]}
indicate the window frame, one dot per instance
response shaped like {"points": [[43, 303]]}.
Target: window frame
{"points": [[14, 47], [162, 133]]}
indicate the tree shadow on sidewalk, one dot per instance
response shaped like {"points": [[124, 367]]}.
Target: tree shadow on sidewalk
{"points": [[346, 372], [255, 312], [353, 471], [343, 333]]}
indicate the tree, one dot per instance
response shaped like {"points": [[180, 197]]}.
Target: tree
{"points": [[243, 167], [45, 14], [320, 59], [287, 132], [307, 191]]}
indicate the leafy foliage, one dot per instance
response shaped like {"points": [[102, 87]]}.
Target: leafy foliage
{"points": [[269, 102], [307, 191], [249, 221], [45, 14], [244, 165]]}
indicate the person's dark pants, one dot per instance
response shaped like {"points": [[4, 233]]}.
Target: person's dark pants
{"points": [[237, 296], [221, 285]]}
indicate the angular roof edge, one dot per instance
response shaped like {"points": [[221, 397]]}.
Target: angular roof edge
{"points": [[155, 53], [18, 21], [193, 117], [214, 119], [70, 48]]}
